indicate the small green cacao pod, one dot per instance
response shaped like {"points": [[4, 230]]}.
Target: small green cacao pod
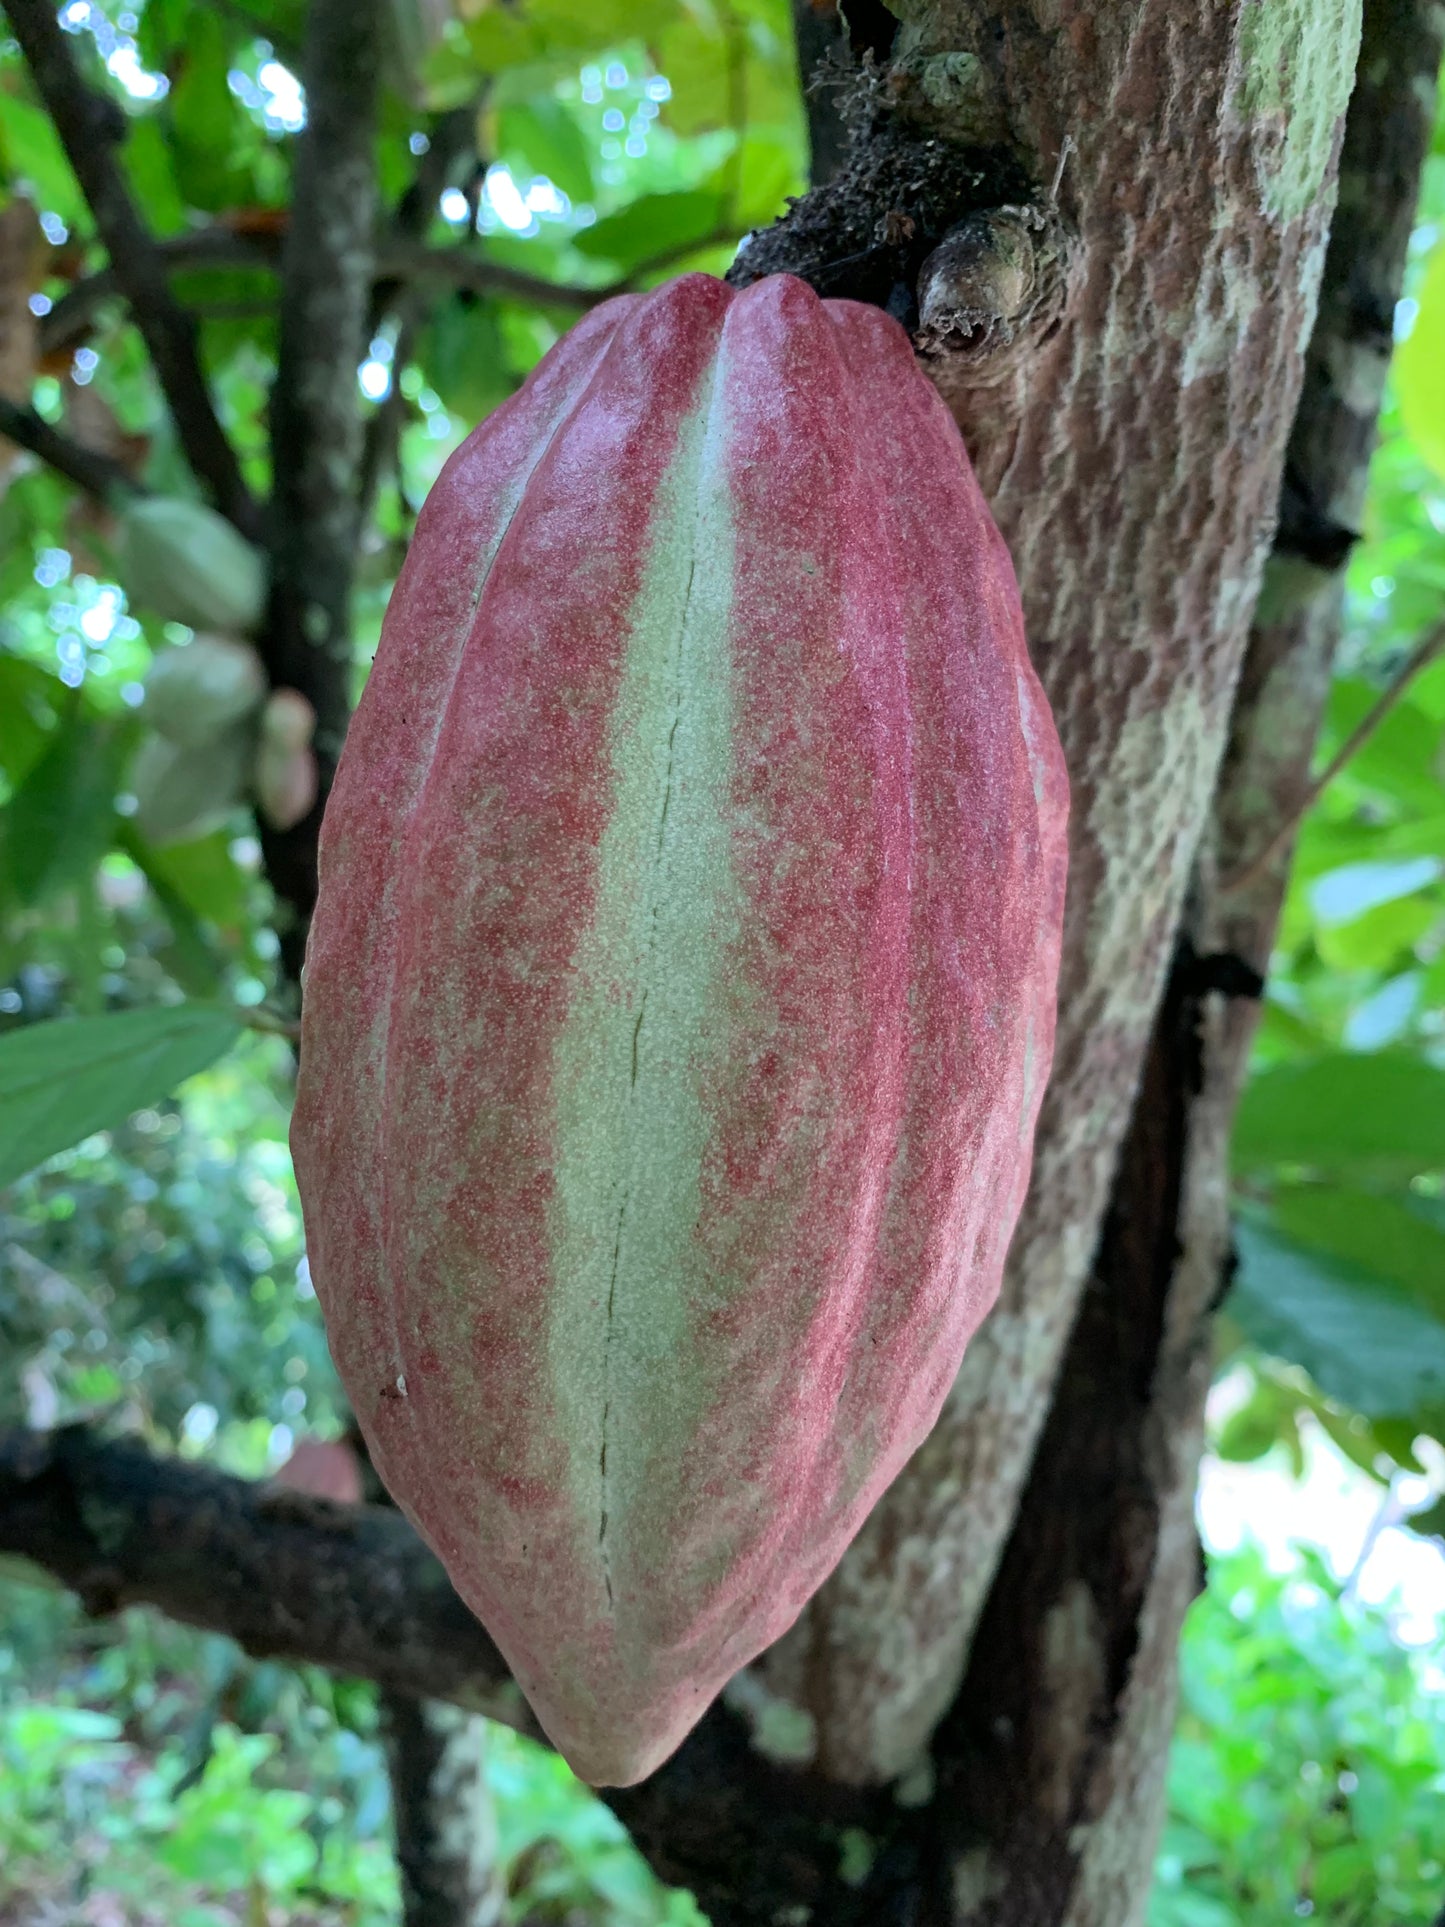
{"points": [[415, 28], [184, 563], [196, 691], [182, 793]]}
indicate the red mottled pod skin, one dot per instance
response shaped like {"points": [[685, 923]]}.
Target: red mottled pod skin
{"points": [[681, 991]]}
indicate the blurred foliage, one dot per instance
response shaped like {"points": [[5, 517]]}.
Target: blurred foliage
{"points": [[1308, 1765], [153, 1274], [1339, 1152]]}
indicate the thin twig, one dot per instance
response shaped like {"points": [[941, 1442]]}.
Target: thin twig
{"points": [[90, 127], [327, 269], [270, 1022], [413, 261], [452, 143], [400, 259], [97, 474], [69, 320], [1419, 659]]}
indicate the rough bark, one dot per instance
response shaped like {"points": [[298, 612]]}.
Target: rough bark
{"points": [[1057, 1742], [1134, 462], [442, 1812], [285, 1575]]}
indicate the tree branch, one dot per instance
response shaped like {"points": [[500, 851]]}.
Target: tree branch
{"points": [[286, 1576], [397, 259], [407, 260], [1420, 658], [352, 1588], [97, 474], [327, 268], [91, 127]]}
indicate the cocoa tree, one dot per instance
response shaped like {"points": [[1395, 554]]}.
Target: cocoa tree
{"points": [[1112, 232]]}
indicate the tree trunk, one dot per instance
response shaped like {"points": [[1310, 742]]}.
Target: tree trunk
{"points": [[1133, 459]]}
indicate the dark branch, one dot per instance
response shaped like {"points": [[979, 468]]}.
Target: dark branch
{"points": [[396, 260], [97, 474], [452, 149], [287, 1577], [412, 261], [91, 127], [327, 269], [353, 1589]]}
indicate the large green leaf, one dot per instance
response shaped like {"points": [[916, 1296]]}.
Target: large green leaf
{"points": [[205, 118], [653, 226], [1393, 1236], [1362, 1340], [746, 73], [539, 136], [57, 825], [29, 697], [532, 30], [60, 1081], [1347, 1114], [1419, 368], [463, 357], [31, 156], [1401, 758]]}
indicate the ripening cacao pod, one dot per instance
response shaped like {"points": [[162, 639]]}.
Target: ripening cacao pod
{"points": [[285, 779], [185, 563], [681, 990], [195, 692]]}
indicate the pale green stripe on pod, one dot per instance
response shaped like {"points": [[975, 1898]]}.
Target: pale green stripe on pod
{"points": [[647, 1024]]}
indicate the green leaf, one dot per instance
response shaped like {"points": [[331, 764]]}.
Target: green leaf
{"points": [[509, 36], [61, 1081], [150, 160], [205, 875], [750, 72], [1348, 1114], [653, 226], [29, 697], [1401, 758], [204, 117], [1365, 1342], [463, 357], [1382, 936], [1398, 1239], [31, 156], [1419, 367], [540, 137], [57, 825]]}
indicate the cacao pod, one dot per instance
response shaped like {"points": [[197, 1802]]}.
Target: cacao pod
{"points": [[680, 995], [182, 793], [285, 778], [194, 693], [185, 563]]}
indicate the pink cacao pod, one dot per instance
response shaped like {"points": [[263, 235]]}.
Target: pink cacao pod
{"points": [[681, 991]]}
